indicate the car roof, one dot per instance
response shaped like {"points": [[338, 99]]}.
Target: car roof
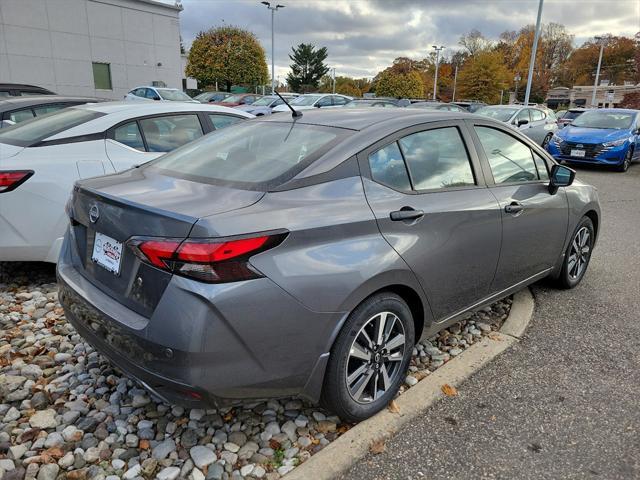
{"points": [[10, 103], [618, 110], [151, 108]]}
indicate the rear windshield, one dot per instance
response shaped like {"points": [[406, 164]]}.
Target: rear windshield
{"points": [[249, 155], [33, 131]]}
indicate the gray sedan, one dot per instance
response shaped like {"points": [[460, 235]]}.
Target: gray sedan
{"points": [[537, 123], [307, 255]]}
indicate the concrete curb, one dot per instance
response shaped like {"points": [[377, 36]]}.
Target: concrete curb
{"points": [[346, 450]]}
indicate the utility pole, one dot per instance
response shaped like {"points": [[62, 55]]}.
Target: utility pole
{"points": [[595, 84], [534, 50], [334, 79], [273, 48], [517, 79], [435, 79], [455, 80]]}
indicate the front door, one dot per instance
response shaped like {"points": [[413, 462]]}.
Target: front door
{"points": [[534, 222], [432, 206]]}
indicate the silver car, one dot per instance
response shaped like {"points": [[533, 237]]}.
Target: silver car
{"points": [[307, 255], [537, 123]]}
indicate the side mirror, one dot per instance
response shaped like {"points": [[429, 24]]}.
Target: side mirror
{"points": [[156, 98], [318, 105], [561, 176], [522, 121]]}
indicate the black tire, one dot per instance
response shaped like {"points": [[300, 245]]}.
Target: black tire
{"points": [[545, 142], [336, 396], [624, 166], [569, 277]]}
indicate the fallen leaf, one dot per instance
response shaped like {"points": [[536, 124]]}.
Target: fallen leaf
{"points": [[377, 447], [449, 391], [343, 428], [393, 407], [274, 444], [144, 444], [495, 336], [54, 452]]}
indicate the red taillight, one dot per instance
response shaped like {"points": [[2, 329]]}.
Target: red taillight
{"points": [[12, 179], [214, 261]]}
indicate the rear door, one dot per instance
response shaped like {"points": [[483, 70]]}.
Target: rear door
{"points": [[534, 222], [429, 197]]}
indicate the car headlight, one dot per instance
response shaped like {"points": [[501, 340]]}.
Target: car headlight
{"points": [[615, 143], [556, 139]]}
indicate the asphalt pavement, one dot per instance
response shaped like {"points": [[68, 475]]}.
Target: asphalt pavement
{"points": [[564, 403]]}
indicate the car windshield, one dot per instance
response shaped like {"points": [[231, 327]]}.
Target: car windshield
{"points": [[264, 102], [502, 114], [429, 105], [305, 100], [233, 99], [600, 119], [174, 95], [367, 103], [248, 157], [33, 131]]}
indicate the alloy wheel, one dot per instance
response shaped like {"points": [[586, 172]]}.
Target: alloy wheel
{"points": [[545, 142], [579, 253], [375, 357]]}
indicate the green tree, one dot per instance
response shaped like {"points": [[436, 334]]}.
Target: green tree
{"points": [[307, 68], [227, 55], [482, 77], [390, 83]]}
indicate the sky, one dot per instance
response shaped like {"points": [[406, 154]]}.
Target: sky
{"points": [[364, 36]]}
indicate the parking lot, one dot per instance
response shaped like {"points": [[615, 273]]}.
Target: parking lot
{"points": [[562, 403]]}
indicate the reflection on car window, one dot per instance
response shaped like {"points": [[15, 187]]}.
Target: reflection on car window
{"points": [[129, 134], [20, 115], [163, 134], [221, 121], [510, 159], [437, 159], [387, 167]]}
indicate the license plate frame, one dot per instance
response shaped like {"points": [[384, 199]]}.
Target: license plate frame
{"points": [[107, 253], [578, 153]]}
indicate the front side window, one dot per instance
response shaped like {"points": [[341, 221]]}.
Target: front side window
{"points": [[167, 133], [536, 115], [102, 76], [339, 100], [44, 109], [324, 102], [305, 100], [129, 134], [543, 171], [437, 159], [151, 94], [510, 159], [387, 167], [523, 115], [221, 121], [20, 115]]}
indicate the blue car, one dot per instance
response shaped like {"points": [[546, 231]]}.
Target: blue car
{"points": [[609, 136]]}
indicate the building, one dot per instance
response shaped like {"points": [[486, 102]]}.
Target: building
{"points": [[100, 48], [607, 96]]}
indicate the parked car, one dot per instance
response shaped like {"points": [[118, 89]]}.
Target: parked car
{"points": [[470, 106], [370, 102], [534, 122], [560, 114], [263, 105], [569, 116], [210, 97], [141, 94], [315, 100], [450, 107], [608, 136], [18, 89], [18, 109], [40, 160], [299, 256], [238, 99]]}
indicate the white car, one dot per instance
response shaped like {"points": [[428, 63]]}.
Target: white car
{"points": [[314, 100], [145, 94], [40, 160]]}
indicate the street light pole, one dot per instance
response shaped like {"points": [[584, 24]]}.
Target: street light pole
{"points": [[517, 79], [534, 50], [435, 79], [595, 84], [455, 80], [273, 48], [334, 80]]}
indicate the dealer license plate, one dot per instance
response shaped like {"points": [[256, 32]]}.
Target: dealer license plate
{"points": [[107, 253]]}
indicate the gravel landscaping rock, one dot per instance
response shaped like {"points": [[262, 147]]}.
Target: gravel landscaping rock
{"points": [[66, 412]]}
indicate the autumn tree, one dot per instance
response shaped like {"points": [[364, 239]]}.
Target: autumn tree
{"points": [[474, 42], [227, 55], [482, 77], [399, 85], [353, 87], [618, 61], [308, 67]]}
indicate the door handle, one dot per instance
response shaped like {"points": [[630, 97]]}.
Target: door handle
{"points": [[406, 213], [514, 207]]}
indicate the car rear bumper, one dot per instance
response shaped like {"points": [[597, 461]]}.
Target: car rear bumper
{"points": [[205, 344]]}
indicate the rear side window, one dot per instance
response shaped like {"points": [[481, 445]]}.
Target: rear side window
{"points": [[249, 157], [221, 121], [40, 128], [387, 167], [437, 159], [44, 109], [129, 134], [20, 115], [510, 159], [164, 134]]}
